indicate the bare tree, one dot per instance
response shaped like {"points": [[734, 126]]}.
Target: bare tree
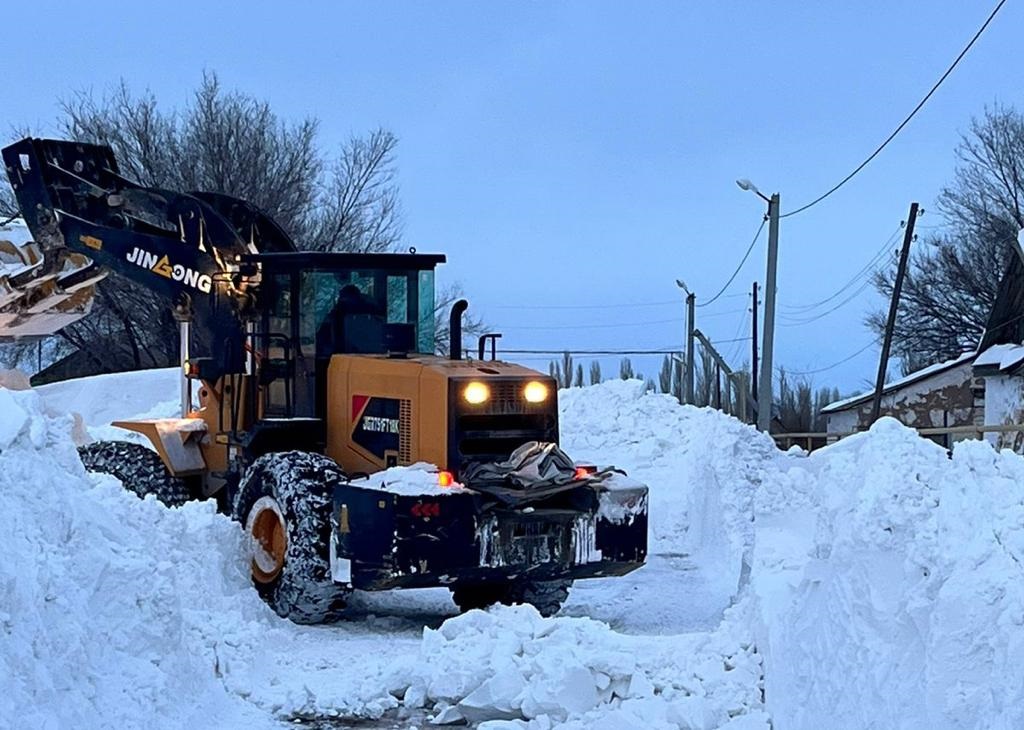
{"points": [[665, 375], [704, 389], [595, 372], [952, 279], [226, 142], [359, 209]]}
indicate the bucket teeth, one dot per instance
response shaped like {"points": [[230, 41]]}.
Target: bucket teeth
{"points": [[39, 295]]}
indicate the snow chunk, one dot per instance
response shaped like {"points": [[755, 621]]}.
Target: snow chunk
{"points": [[12, 418], [417, 480], [509, 667]]}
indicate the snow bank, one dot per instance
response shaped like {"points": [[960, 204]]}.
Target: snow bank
{"points": [[111, 609], [101, 399], [702, 467], [887, 591], [510, 668], [890, 586]]}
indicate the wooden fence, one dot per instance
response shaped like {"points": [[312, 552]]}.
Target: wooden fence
{"points": [[815, 440]]}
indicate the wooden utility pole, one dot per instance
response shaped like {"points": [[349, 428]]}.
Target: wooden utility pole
{"points": [[897, 287], [753, 362], [718, 386]]}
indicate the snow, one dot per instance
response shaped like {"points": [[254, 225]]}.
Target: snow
{"points": [[416, 480], [511, 664], [875, 583], [888, 582], [1004, 356]]}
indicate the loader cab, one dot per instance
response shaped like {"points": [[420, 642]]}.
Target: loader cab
{"points": [[316, 305]]}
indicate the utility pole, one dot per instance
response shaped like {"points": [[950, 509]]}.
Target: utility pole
{"points": [[691, 305], [897, 287], [753, 340], [764, 397], [718, 387]]}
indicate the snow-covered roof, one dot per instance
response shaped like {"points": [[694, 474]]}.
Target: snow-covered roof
{"points": [[1000, 357], [914, 377]]}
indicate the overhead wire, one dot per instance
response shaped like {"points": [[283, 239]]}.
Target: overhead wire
{"points": [[906, 121], [867, 269], [738, 267], [798, 321], [621, 305], [835, 364], [737, 348], [645, 323]]}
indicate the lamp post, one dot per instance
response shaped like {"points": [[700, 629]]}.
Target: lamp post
{"points": [[691, 300], [764, 390]]}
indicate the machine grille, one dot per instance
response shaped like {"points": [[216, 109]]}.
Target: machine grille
{"points": [[405, 432], [507, 397]]}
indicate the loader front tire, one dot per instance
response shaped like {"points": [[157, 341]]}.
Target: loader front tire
{"points": [[139, 468], [284, 506]]}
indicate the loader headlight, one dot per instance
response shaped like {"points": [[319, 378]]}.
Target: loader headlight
{"points": [[535, 392], [476, 393]]}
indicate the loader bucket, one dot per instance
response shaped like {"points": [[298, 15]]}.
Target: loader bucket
{"points": [[39, 295]]}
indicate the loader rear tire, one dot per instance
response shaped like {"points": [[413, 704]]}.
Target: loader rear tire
{"points": [[547, 596], [139, 468], [284, 505]]}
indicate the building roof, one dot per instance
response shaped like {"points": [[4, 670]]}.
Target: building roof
{"points": [[1003, 358], [1006, 320], [915, 377]]}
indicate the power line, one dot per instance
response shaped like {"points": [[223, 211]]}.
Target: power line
{"points": [[833, 365], [572, 351], [736, 349], [619, 305], [622, 305], [869, 267], [795, 321], [906, 121], [677, 320], [646, 323], [740, 266]]}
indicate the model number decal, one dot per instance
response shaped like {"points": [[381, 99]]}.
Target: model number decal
{"points": [[380, 425]]}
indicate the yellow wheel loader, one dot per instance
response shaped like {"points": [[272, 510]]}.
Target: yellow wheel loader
{"points": [[313, 406]]}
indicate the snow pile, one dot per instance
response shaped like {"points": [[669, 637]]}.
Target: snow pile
{"points": [[702, 468], [111, 609], [101, 399], [510, 668], [890, 585]]}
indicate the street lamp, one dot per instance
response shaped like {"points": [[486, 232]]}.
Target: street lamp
{"points": [[764, 391], [747, 185], [691, 306]]}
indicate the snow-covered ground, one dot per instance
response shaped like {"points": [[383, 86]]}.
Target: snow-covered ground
{"points": [[876, 583]]}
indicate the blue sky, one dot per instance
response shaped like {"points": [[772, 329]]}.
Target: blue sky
{"points": [[583, 154]]}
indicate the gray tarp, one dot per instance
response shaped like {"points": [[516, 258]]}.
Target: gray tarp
{"points": [[533, 472]]}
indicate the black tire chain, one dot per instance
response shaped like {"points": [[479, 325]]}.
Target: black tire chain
{"points": [[301, 483], [139, 468]]}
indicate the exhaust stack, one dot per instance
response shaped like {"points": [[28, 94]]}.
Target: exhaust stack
{"points": [[455, 329]]}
